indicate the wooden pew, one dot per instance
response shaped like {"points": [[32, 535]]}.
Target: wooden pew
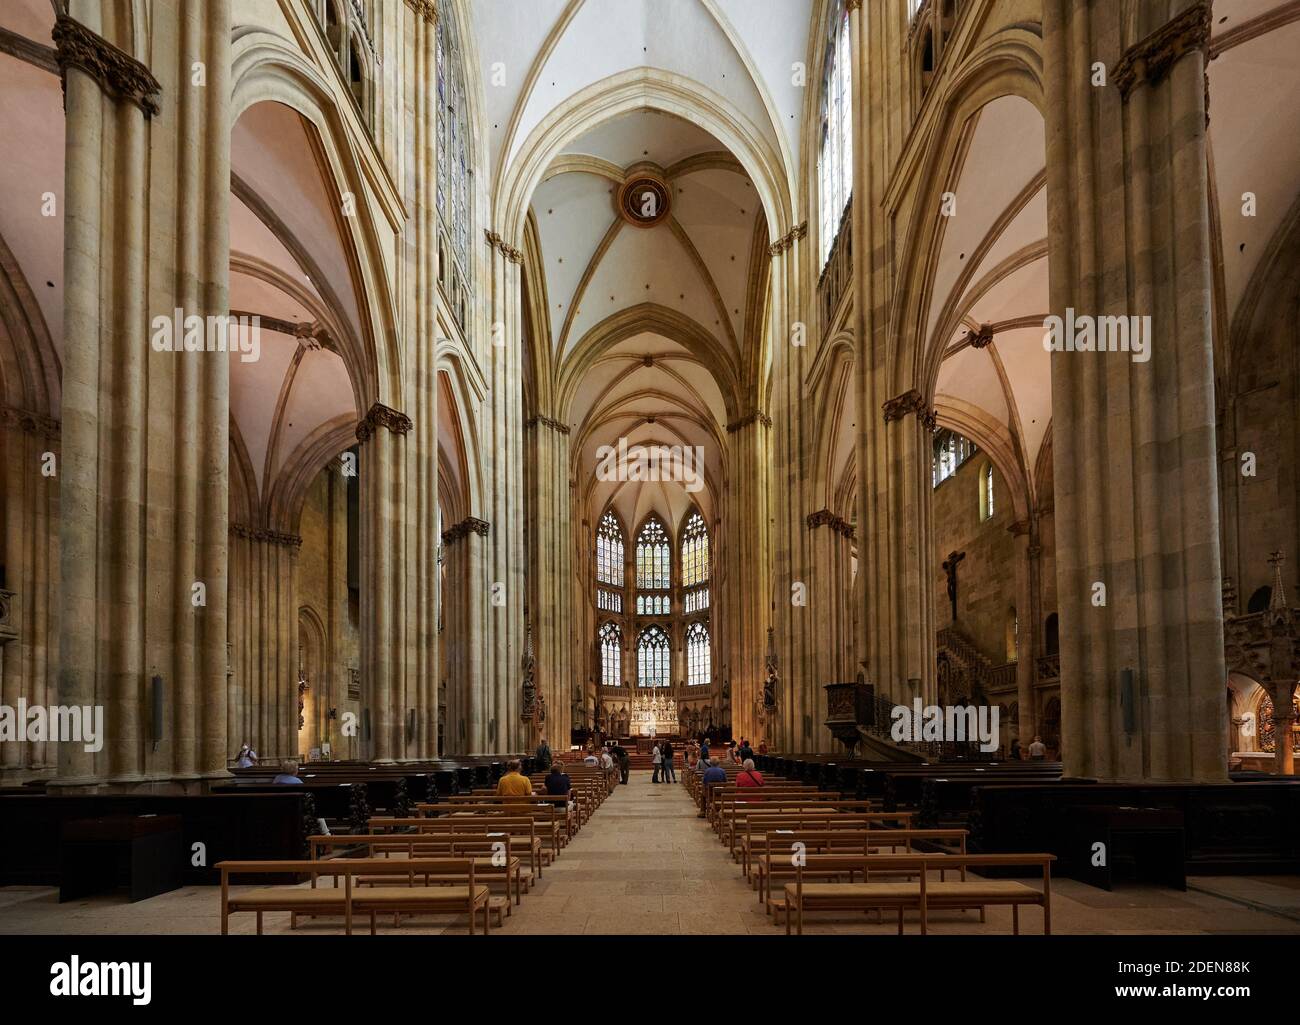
{"points": [[836, 853], [523, 828], [509, 873], [924, 894], [764, 822], [349, 900]]}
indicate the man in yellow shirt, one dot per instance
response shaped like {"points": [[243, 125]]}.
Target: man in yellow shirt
{"points": [[513, 783]]}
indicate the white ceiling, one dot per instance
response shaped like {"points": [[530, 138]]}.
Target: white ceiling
{"points": [[1008, 382], [742, 50], [1254, 108]]}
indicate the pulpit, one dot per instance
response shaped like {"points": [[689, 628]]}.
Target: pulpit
{"points": [[848, 706]]}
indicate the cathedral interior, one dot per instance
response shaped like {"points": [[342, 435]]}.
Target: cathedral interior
{"points": [[394, 390]]}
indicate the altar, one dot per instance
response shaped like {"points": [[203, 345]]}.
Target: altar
{"points": [[653, 716]]}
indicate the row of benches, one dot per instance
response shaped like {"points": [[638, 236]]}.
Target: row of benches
{"points": [[467, 855], [805, 850]]}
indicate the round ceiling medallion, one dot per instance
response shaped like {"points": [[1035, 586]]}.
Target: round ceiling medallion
{"points": [[643, 199]]}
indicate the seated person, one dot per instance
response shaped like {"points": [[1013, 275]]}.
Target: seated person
{"points": [[288, 774], [513, 783], [591, 759], [558, 783], [749, 776], [715, 773]]}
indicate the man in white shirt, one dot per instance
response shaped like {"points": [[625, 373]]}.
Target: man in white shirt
{"points": [[1037, 750]]}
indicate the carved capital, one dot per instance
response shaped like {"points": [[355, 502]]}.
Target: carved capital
{"points": [[1151, 59], [910, 402], [505, 249], [826, 518], [546, 421], [788, 240], [758, 416], [382, 416], [852, 5], [469, 525], [262, 534], [425, 9], [118, 74], [28, 422]]}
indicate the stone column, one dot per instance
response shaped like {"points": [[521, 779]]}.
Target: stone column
{"points": [[144, 430], [503, 465], [1128, 215], [419, 661], [1029, 615], [794, 728], [264, 641], [745, 601], [28, 552], [384, 635], [551, 601]]}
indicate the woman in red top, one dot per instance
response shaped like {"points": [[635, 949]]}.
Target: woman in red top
{"points": [[749, 776]]}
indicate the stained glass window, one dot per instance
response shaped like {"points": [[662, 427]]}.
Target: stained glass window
{"points": [[455, 187], [652, 658], [652, 566], [609, 551], [950, 451], [611, 651], [835, 161], [697, 655]]}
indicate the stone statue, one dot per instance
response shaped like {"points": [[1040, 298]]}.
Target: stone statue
{"points": [[302, 690], [530, 686], [772, 682]]}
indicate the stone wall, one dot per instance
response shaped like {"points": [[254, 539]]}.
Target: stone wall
{"points": [[986, 578]]}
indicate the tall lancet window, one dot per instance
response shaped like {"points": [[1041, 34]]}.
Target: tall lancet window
{"points": [[455, 188], [695, 565], [835, 160], [611, 654], [609, 564], [653, 570], [698, 662], [652, 658]]}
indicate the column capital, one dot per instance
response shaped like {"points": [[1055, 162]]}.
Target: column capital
{"points": [[496, 242], [382, 416], [826, 518], [757, 416], [274, 537], [469, 525], [852, 5], [1152, 58], [29, 422], [788, 240], [546, 421], [117, 72], [426, 9], [911, 401]]}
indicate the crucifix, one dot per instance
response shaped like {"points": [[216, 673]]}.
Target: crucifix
{"points": [[950, 568]]}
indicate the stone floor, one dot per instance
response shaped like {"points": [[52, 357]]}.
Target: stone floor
{"points": [[645, 864]]}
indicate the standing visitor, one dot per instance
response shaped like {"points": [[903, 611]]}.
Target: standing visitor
{"points": [[1037, 750], [657, 758], [542, 756], [669, 775]]}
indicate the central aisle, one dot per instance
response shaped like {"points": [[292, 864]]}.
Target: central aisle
{"points": [[645, 863]]}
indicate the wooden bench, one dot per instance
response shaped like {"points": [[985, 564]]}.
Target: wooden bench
{"points": [[924, 894], [465, 895], [509, 873], [828, 850], [521, 829]]}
